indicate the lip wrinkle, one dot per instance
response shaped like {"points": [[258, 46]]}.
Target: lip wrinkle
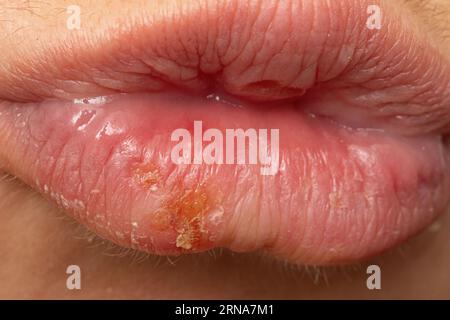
{"points": [[139, 43], [143, 201]]}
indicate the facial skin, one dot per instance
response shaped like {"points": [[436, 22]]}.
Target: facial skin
{"points": [[39, 241]]}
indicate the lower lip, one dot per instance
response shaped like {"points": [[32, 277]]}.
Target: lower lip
{"points": [[339, 194]]}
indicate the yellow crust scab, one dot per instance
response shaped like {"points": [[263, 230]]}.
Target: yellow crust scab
{"points": [[186, 210], [183, 242], [147, 175], [187, 235], [189, 212]]}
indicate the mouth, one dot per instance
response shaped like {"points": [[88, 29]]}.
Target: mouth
{"points": [[342, 153]]}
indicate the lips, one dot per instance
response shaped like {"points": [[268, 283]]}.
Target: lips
{"points": [[361, 115]]}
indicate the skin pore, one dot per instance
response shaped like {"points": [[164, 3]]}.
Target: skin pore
{"points": [[38, 241]]}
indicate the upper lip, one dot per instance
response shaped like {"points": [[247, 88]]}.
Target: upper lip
{"points": [[259, 49], [320, 53]]}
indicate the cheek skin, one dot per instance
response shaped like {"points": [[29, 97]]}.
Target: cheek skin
{"points": [[433, 15]]}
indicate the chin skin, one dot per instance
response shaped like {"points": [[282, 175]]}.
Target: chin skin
{"points": [[39, 243]]}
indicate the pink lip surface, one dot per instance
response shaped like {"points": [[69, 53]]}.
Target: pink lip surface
{"points": [[340, 194], [361, 117]]}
